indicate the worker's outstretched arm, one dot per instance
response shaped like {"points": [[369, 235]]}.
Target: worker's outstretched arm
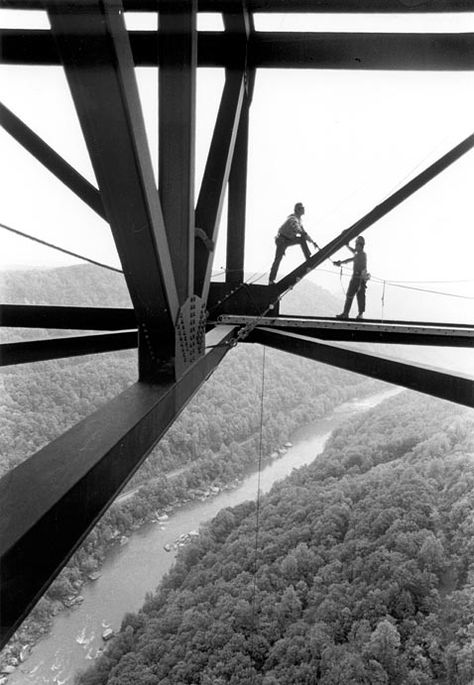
{"points": [[343, 261]]}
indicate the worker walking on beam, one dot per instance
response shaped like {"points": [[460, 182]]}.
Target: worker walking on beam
{"points": [[291, 232], [358, 282]]}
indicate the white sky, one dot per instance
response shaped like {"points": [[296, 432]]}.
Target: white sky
{"points": [[338, 141]]}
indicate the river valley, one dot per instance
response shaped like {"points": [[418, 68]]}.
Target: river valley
{"points": [[133, 569]]}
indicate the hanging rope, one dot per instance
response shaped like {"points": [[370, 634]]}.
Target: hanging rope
{"points": [[257, 511], [340, 280]]}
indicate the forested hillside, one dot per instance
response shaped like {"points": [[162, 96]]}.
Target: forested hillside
{"points": [[40, 401], [362, 571], [215, 441]]}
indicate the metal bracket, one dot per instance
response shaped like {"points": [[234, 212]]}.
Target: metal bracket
{"points": [[202, 235], [190, 333]]}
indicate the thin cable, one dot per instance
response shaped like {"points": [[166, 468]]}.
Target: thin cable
{"points": [[383, 300], [394, 284], [60, 249], [400, 284], [466, 280], [257, 512]]}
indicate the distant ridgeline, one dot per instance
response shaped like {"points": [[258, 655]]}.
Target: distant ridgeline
{"points": [[87, 285], [363, 572]]}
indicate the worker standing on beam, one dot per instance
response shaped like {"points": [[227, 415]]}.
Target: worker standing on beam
{"points": [[358, 282], [291, 232]]}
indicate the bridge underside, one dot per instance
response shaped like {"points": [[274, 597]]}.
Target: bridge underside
{"points": [[181, 323]]}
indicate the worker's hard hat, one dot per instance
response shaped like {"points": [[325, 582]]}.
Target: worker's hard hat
{"points": [[360, 239]]}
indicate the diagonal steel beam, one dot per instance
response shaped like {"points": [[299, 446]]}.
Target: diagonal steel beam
{"points": [[216, 176], [177, 46], [50, 502], [95, 50], [375, 214], [51, 160], [448, 386]]}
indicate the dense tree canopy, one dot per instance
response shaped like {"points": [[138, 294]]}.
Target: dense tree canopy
{"points": [[363, 571]]}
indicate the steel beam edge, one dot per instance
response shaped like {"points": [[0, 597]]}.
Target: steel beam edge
{"points": [[50, 502], [290, 6], [216, 176], [457, 388], [108, 105], [65, 317], [361, 331], [51, 160], [45, 349], [354, 51]]}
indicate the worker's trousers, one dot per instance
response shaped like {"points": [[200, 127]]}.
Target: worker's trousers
{"points": [[281, 244], [357, 286]]}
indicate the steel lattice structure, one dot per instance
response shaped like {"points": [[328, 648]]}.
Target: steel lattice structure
{"points": [[165, 239]]}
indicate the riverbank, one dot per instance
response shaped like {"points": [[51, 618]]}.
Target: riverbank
{"points": [[206, 500]]}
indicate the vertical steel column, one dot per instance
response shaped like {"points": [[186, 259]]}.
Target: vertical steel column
{"points": [[239, 25], [95, 50], [237, 194], [177, 38], [216, 177]]}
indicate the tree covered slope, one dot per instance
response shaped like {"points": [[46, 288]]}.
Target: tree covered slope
{"points": [[362, 571]]}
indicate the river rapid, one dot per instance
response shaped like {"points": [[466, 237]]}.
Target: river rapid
{"points": [[132, 570]]}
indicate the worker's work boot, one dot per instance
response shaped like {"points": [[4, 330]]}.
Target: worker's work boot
{"points": [[360, 316], [343, 315]]}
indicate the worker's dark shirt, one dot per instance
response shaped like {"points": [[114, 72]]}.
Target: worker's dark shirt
{"points": [[291, 228], [359, 263]]}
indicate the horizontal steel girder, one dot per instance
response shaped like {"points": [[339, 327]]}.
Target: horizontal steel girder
{"points": [[29, 351], [402, 51], [398, 333], [291, 6], [69, 318], [457, 388], [50, 502]]}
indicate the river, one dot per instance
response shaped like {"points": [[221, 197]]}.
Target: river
{"points": [[132, 570]]}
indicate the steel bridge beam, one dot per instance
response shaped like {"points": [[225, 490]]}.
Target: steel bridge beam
{"points": [[49, 503], [397, 333], [216, 176], [292, 6], [63, 317], [177, 45], [49, 158], [44, 349], [97, 60], [375, 214], [353, 51], [241, 23], [447, 386], [237, 194]]}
